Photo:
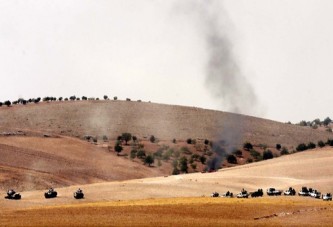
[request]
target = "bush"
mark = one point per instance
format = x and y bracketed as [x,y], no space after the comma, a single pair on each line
[206,142]
[278,146]
[118,148]
[301,147]
[175,171]
[248,146]
[311,145]
[284,151]
[189,141]
[185,150]
[105,97]
[133,153]
[203,159]
[141,154]
[8,103]
[267,155]
[149,159]
[321,144]
[152,139]
[126,137]
[255,154]
[238,153]
[232,159]
[183,164]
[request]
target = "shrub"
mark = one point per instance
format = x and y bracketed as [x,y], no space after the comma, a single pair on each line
[206,142]
[278,146]
[238,153]
[8,103]
[175,171]
[249,160]
[133,153]
[84,98]
[141,154]
[311,145]
[203,159]
[255,154]
[327,121]
[267,155]
[0,103]
[232,159]
[72,98]
[134,138]
[149,159]
[248,146]
[158,153]
[105,138]
[189,141]
[174,141]
[115,98]
[152,139]
[284,151]
[301,147]
[321,144]
[185,150]
[118,148]
[194,166]
[126,137]
[183,164]
[105,97]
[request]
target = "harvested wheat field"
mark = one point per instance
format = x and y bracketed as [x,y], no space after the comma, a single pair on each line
[184,200]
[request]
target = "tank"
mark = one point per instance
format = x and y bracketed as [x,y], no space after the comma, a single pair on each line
[11,194]
[78,194]
[51,193]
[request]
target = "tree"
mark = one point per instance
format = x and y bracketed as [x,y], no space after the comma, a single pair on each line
[105,97]
[284,151]
[321,144]
[60,98]
[118,148]
[327,121]
[0,103]
[152,139]
[183,164]
[267,155]
[311,145]
[141,154]
[72,98]
[133,153]
[206,142]
[126,137]
[232,159]
[301,147]
[189,141]
[115,98]
[203,159]
[248,146]
[84,98]
[175,171]
[134,138]
[8,103]
[278,146]
[149,160]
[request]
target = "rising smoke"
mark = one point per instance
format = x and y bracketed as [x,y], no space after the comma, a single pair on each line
[223,74]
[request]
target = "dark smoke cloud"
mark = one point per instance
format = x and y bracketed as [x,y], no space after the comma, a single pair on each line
[224,78]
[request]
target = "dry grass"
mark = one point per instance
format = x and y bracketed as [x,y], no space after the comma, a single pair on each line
[178,212]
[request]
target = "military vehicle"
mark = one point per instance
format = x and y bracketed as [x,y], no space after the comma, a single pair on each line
[243,194]
[273,191]
[78,194]
[51,193]
[290,191]
[327,197]
[11,194]
[258,193]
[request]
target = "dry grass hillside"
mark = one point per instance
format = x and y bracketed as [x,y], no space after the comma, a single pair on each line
[183,200]
[166,122]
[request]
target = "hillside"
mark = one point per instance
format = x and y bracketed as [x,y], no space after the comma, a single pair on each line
[165,122]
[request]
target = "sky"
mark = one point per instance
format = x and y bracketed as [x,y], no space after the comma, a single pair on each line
[270,59]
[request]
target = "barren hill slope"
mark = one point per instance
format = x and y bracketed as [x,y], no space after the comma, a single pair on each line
[111,118]
[30,163]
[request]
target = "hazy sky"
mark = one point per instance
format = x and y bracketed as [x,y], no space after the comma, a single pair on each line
[274,58]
